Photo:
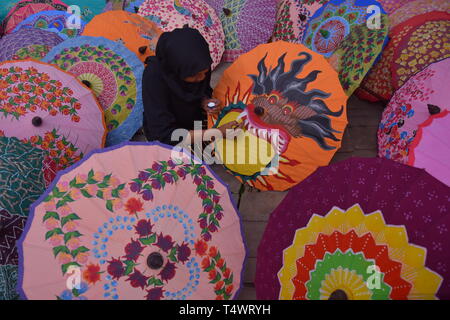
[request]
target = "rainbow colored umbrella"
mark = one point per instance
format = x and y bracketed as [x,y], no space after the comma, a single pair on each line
[430,149]
[293,110]
[27,44]
[246,24]
[88,8]
[114,74]
[54,21]
[357,53]
[25,8]
[164,227]
[21,183]
[50,109]
[292,18]
[170,15]
[423,95]
[363,228]
[413,45]
[329,25]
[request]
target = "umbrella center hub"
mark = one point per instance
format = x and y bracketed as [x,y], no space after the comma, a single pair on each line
[36,121]
[338,295]
[155,260]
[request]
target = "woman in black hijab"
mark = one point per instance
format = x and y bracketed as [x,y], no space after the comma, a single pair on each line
[176,85]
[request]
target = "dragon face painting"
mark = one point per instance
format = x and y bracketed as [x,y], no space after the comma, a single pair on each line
[293,111]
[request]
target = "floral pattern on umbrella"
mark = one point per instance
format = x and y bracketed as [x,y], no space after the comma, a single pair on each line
[421,96]
[151,262]
[411,9]
[27,44]
[43,99]
[113,73]
[169,15]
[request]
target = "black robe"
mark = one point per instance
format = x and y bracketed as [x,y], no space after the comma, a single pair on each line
[169,102]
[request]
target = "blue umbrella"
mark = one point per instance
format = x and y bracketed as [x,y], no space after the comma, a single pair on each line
[133,6]
[114,73]
[54,21]
[329,26]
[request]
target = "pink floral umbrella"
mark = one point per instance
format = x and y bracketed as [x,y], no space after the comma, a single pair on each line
[430,149]
[421,96]
[50,109]
[292,18]
[135,221]
[26,8]
[170,15]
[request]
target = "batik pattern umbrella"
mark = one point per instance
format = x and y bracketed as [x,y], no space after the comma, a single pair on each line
[430,149]
[147,240]
[21,183]
[114,74]
[331,232]
[246,24]
[50,109]
[423,95]
[27,44]
[329,26]
[25,8]
[135,32]
[358,52]
[418,7]
[88,8]
[291,103]
[407,52]
[426,42]
[292,18]
[54,21]
[169,15]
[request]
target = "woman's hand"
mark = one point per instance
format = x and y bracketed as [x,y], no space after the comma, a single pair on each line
[211,111]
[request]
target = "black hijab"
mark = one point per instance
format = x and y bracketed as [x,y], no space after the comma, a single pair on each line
[180,54]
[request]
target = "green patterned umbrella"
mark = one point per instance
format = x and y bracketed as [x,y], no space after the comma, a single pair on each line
[21,175]
[21,183]
[358,52]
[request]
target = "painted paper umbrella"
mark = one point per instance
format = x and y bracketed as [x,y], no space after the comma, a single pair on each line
[113,73]
[28,44]
[25,8]
[6,7]
[246,24]
[138,34]
[164,227]
[363,228]
[292,18]
[292,105]
[21,183]
[88,8]
[413,45]
[423,95]
[430,149]
[54,21]
[329,25]
[197,14]
[357,53]
[426,41]
[417,7]
[50,109]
